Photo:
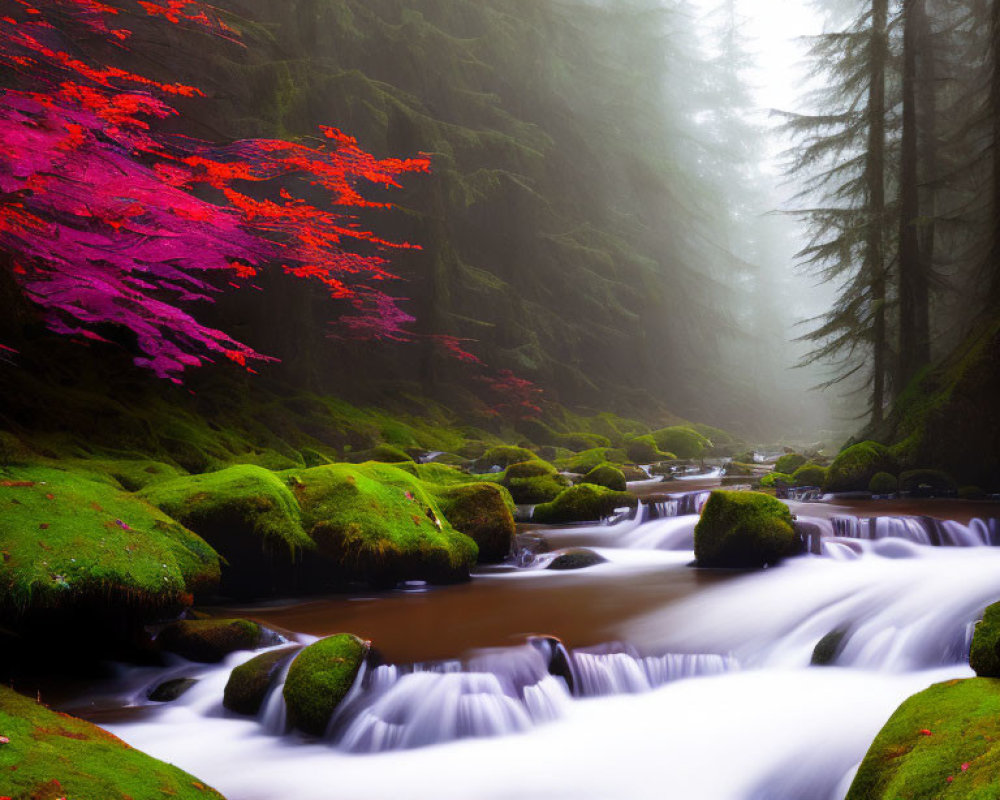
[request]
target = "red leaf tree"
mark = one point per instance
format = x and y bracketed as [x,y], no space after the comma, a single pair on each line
[104,217]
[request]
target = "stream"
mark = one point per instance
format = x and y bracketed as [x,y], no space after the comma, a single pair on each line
[665,681]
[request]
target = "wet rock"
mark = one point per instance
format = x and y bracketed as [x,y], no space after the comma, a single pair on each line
[828,648]
[745,530]
[319,678]
[168,691]
[249,683]
[576,558]
[209,641]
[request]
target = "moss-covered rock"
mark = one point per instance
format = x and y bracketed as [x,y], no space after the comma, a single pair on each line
[250,682]
[49,755]
[744,529]
[883,483]
[632,473]
[380,524]
[942,742]
[682,440]
[643,450]
[927,483]
[210,640]
[777,479]
[855,466]
[576,558]
[606,475]
[485,513]
[740,469]
[584,462]
[386,453]
[502,457]
[809,475]
[319,678]
[984,656]
[583,503]
[73,544]
[789,462]
[531,482]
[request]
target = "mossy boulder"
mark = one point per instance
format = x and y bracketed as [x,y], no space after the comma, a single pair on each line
[81,548]
[208,641]
[576,558]
[583,503]
[643,450]
[984,656]
[632,473]
[502,457]
[773,479]
[883,483]
[740,469]
[531,482]
[319,678]
[379,524]
[789,462]
[855,466]
[809,475]
[584,462]
[942,742]
[485,513]
[744,529]
[49,755]
[927,483]
[386,453]
[682,440]
[606,475]
[250,682]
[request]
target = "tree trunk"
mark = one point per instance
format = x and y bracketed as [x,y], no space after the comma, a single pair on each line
[995,112]
[927,153]
[875,178]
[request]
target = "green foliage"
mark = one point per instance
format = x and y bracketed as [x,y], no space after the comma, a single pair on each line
[984,656]
[685,442]
[961,719]
[583,503]
[810,475]
[208,641]
[789,462]
[250,682]
[319,678]
[607,476]
[927,483]
[380,524]
[484,513]
[744,529]
[52,755]
[855,466]
[68,539]
[883,483]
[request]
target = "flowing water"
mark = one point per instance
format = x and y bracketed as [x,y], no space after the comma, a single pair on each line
[665,681]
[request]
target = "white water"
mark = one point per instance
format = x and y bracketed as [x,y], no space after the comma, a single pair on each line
[720,703]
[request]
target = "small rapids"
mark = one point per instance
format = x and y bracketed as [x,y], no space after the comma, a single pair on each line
[716,693]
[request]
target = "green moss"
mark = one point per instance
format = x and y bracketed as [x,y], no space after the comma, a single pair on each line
[503,457]
[643,450]
[51,755]
[385,453]
[208,641]
[777,479]
[744,529]
[531,482]
[583,503]
[740,469]
[483,512]
[810,475]
[319,678]
[250,682]
[984,657]
[607,476]
[380,524]
[789,462]
[67,539]
[929,739]
[685,442]
[855,466]
[584,462]
[927,483]
[883,483]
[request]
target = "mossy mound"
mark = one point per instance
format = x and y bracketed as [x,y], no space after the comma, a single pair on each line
[789,462]
[249,683]
[583,503]
[942,742]
[682,440]
[386,453]
[531,482]
[855,466]
[380,524]
[927,483]
[76,544]
[744,529]
[131,474]
[485,513]
[319,678]
[584,462]
[502,457]
[248,514]
[643,450]
[208,641]
[576,558]
[777,479]
[606,475]
[740,469]
[984,657]
[50,755]
[633,473]
[809,475]
[883,483]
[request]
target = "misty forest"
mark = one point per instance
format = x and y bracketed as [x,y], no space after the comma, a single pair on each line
[499,399]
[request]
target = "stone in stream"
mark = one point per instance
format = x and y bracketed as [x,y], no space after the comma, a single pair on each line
[319,678]
[249,683]
[168,691]
[744,530]
[576,558]
[208,641]
[557,658]
[828,648]
[984,657]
